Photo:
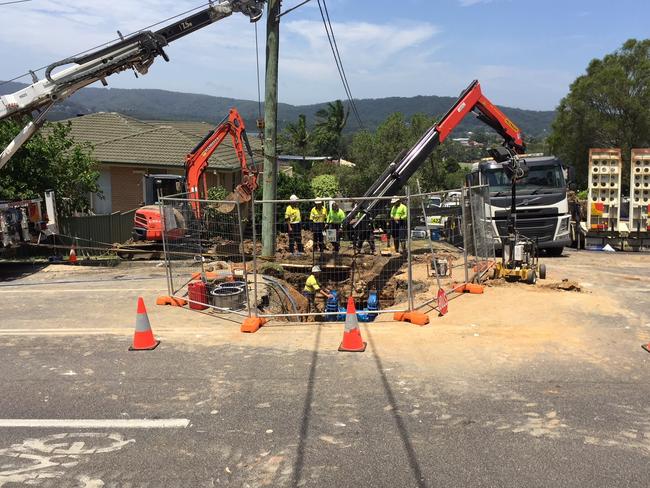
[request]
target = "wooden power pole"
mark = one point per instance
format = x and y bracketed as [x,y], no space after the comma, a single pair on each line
[271,128]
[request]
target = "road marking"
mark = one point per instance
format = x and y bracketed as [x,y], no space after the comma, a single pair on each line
[96,423]
[99,331]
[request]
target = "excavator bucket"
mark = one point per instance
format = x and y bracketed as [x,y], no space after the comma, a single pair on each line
[239,195]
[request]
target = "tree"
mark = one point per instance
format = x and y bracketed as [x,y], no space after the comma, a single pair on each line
[295,137]
[609,106]
[51,160]
[373,152]
[325,186]
[327,137]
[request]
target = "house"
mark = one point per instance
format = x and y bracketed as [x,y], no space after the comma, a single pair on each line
[127,148]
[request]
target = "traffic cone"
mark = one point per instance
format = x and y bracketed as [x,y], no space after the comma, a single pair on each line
[143,339]
[72,259]
[352,341]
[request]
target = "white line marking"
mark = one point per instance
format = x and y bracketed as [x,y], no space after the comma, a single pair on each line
[82,289]
[97,423]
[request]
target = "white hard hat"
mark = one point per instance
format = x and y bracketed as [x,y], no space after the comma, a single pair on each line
[315,269]
[293,198]
[318,202]
[394,200]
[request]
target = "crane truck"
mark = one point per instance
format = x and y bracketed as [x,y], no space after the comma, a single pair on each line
[136,52]
[520,252]
[399,171]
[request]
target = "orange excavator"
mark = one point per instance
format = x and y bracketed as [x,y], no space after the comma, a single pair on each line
[148,224]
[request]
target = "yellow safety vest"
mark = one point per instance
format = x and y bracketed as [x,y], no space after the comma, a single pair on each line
[335,217]
[398,212]
[311,285]
[319,216]
[292,214]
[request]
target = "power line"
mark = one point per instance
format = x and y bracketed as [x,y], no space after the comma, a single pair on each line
[108,42]
[336,47]
[337,59]
[15,1]
[293,8]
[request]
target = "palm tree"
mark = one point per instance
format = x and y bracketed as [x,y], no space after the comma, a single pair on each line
[332,121]
[298,135]
[333,117]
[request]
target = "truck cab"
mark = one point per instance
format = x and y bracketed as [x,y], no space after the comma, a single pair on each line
[542,206]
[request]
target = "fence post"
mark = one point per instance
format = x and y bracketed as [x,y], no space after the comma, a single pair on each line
[408,247]
[243,256]
[255,278]
[163,226]
[465,201]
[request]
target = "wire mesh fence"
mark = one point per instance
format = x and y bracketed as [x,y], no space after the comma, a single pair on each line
[394,258]
[203,243]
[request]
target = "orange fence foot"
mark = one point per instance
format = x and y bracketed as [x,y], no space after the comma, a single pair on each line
[474,288]
[252,324]
[416,318]
[167,300]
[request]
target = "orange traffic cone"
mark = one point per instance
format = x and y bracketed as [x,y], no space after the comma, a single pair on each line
[143,339]
[72,259]
[352,341]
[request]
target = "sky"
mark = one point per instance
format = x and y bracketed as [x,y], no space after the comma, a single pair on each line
[525,53]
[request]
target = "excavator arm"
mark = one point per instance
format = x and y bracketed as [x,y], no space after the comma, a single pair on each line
[196,161]
[407,163]
[136,52]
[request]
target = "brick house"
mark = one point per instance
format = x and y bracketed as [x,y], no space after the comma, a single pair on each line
[127,148]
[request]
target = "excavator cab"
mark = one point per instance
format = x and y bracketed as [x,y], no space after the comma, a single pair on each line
[155,187]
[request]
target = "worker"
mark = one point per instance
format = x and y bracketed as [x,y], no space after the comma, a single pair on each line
[364,226]
[312,287]
[335,218]
[318,217]
[294,226]
[398,216]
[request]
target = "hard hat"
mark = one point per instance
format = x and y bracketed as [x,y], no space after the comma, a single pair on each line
[315,269]
[394,200]
[293,198]
[318,202]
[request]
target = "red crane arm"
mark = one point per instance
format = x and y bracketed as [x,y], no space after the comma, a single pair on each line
[473,100]
[196,161]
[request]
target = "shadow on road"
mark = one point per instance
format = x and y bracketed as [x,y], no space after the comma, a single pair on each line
[306,413]
[399,422]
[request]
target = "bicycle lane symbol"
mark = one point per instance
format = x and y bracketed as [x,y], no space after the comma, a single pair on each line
[35,460]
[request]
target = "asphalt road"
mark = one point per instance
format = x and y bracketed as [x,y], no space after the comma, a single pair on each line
[283,408]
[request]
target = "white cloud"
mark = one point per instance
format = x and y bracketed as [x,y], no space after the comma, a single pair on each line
[399,58]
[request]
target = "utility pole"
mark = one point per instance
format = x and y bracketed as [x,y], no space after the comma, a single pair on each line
[271,128]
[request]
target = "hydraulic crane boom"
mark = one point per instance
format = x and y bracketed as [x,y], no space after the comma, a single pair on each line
[400,170]
[136,52]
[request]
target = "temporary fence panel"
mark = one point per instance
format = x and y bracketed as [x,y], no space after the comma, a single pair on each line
[604,204]
[93,233]
[204,253]
[362,260]
[436,244]
[640,190]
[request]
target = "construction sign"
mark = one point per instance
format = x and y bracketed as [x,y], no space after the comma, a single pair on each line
[443,302]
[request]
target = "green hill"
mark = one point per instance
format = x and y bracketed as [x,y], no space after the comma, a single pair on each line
[167,105]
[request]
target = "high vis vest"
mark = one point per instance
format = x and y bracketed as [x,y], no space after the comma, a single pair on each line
[398,212]
[335,217]
[311,285]
[319,216]
[292,214]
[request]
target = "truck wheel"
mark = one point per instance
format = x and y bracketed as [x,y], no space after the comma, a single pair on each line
[542,271]
[555,252]
[531,279]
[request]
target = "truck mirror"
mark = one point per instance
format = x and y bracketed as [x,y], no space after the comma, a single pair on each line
[571,174]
